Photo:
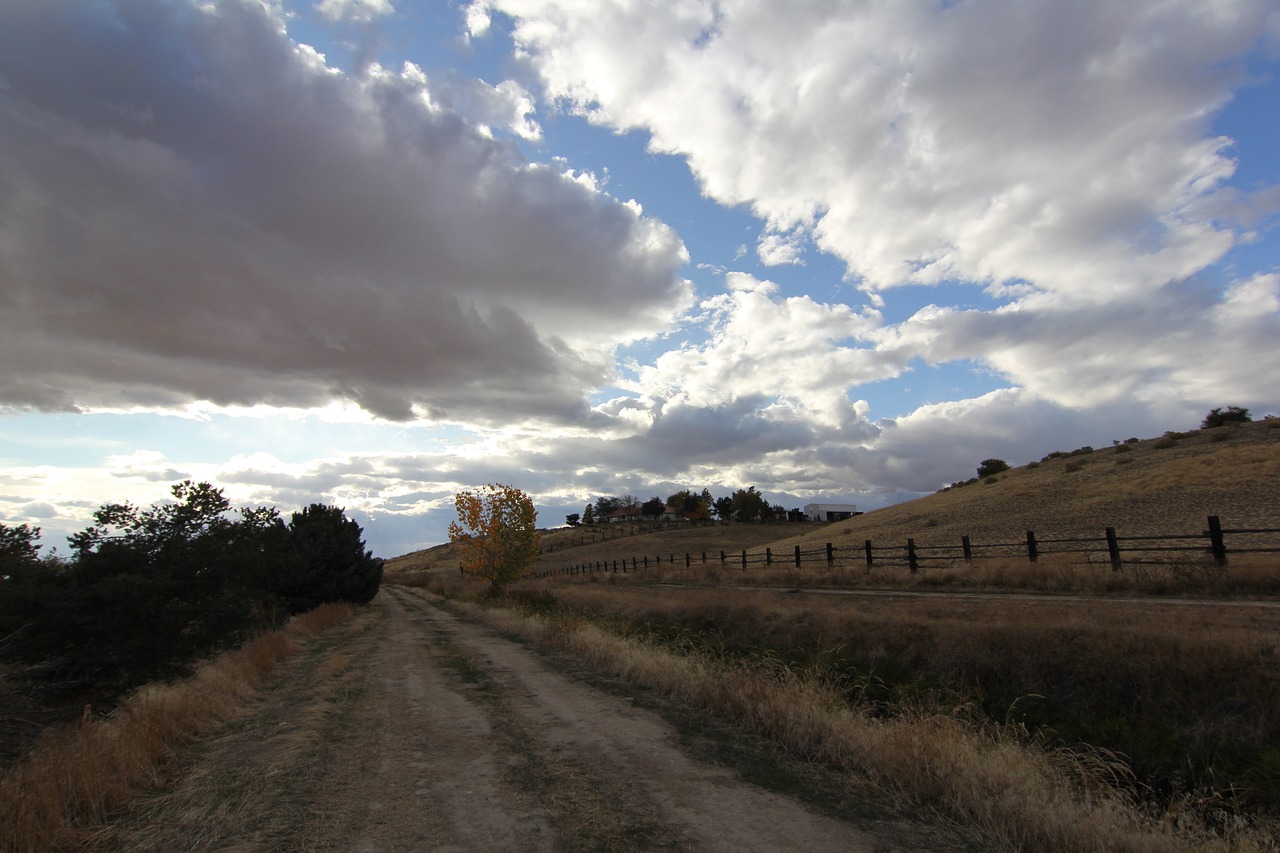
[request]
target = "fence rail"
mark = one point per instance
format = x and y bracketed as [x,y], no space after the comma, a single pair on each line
[1211,542]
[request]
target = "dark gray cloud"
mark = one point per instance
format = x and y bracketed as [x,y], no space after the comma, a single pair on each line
[192,206]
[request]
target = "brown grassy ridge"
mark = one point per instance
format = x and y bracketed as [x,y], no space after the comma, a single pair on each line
[79,774]
[1169,484]
[1166,485]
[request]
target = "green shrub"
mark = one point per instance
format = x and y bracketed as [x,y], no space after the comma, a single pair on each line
[989,467]
[1232,415]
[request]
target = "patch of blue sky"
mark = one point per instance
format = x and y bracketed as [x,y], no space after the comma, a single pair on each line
[925,384]
[1252,120]
[902,303]
[68,439]
[77,440]
[430,35]
[662,184]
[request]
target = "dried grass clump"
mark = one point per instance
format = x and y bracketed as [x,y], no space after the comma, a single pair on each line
[79,774]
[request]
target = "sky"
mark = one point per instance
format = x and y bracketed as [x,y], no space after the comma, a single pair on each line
[369,253]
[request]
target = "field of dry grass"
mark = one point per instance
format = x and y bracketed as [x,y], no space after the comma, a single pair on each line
[56,795]
[927,748]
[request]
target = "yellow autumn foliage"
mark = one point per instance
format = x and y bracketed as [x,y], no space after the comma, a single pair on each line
[496,532]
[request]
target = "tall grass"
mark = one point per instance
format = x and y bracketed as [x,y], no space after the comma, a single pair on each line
[1019,793]
[79,774]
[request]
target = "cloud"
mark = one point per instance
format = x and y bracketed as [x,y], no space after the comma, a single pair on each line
[1068,147]
[197,208]
[354,10]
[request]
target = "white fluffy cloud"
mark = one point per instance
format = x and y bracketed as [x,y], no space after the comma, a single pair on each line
[354,10]
[195,207]
[1062,145]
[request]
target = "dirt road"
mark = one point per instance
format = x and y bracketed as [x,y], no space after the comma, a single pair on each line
[419,730]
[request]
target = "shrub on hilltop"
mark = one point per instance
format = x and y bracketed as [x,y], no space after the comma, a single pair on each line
[1231,415]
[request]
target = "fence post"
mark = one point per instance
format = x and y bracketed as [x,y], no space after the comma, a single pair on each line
[722,558]
[1217,542]
[967,547]
[687,559]
[744,559]
[704,558]
[831,554]
[911,556]
[797,556]
[1033,553]
[768,556]
[867,548]
[1113,549]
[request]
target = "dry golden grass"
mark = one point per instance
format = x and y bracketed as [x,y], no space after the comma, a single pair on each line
[1019,796]
[79,774]
[1142,489]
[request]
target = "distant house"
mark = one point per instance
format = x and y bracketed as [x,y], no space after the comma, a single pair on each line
[830,512]
[626,513]
[633,513]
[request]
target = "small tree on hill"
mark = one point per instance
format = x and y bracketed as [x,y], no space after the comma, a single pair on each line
[1232,415]
[608,504]
[991,467]
[496,533]
[653,508]
[589,515]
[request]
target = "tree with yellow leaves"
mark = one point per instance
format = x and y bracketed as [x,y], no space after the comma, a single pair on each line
[496,533]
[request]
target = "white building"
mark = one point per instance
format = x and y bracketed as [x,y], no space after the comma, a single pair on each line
[829,512]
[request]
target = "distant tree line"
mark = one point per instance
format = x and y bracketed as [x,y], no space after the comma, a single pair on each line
[742,506]
[146,592]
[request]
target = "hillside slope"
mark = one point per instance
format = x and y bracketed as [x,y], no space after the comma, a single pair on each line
[1169,484]
[1166,485]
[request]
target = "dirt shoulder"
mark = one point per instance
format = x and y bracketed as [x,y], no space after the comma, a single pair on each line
[415,729]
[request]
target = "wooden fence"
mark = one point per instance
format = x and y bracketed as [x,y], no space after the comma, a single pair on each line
[1210,543]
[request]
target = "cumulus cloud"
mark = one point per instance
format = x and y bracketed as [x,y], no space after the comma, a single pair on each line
[796,353]
[354,10]
[195,207]
[920,141]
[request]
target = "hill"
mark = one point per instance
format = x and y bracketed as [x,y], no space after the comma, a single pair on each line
[1169,484]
